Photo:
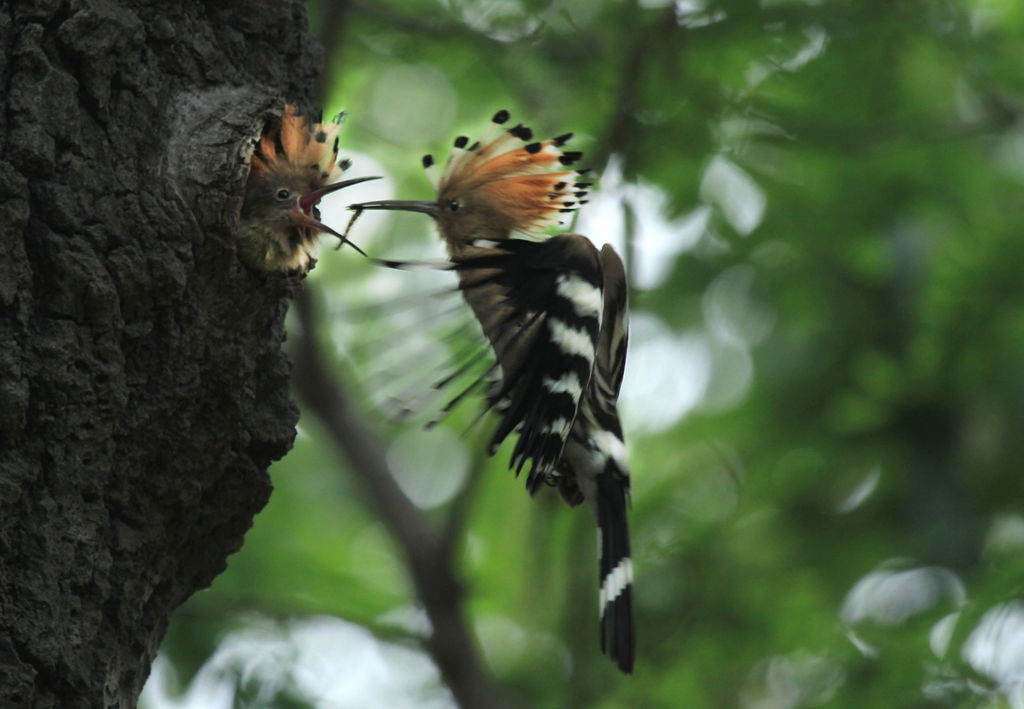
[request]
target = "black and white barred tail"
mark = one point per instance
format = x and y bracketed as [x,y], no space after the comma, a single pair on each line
[615,572]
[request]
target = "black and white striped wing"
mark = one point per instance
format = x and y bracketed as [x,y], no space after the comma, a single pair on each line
[555,317]
[540,307]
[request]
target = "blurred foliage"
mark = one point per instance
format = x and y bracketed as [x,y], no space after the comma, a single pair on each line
[827,197]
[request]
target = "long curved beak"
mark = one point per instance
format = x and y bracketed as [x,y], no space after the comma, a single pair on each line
[405,205]
[309,199]
[305,221]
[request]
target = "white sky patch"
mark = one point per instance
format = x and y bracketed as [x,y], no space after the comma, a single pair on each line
[429,466]
[657,240]
[737,134]
[862,491]
[996,648]
[731,374]
[208,690]
[817,38]
[689,13]
[501,20]
[814,47]
[731,311]
[728,187]
[666,374]
[331,663]
[799,679]
[941,634]
[889,596]
[412,619]
[393,675]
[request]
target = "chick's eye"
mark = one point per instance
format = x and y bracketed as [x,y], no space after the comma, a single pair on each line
[283,194]
[454,205]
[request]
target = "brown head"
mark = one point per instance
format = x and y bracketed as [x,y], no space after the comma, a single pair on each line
[294,166]
[499,187]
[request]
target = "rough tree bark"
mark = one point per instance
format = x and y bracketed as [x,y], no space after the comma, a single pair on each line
[143,390]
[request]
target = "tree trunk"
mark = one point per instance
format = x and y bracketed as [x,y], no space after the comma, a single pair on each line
[143,390]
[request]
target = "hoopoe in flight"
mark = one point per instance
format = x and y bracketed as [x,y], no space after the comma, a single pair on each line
[554,312]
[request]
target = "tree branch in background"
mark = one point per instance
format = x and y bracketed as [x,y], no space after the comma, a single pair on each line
[427,554]
[621,128]
[332,26]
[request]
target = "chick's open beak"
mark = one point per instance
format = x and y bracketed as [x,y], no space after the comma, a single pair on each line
[301,213]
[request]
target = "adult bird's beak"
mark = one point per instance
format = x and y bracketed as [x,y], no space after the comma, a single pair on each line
[309,200]
[405,205]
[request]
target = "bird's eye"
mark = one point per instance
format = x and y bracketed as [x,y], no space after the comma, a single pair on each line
[283,194]
[454,205]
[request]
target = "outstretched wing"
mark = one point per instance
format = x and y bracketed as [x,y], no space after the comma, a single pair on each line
[540,308]
[555,317]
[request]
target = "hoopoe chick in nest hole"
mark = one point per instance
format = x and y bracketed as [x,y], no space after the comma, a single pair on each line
[554,313]
[294,166]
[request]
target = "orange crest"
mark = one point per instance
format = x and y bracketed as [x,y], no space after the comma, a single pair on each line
[521,177]
[299,144]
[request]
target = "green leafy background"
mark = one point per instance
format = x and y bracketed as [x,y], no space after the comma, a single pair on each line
[820,208]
